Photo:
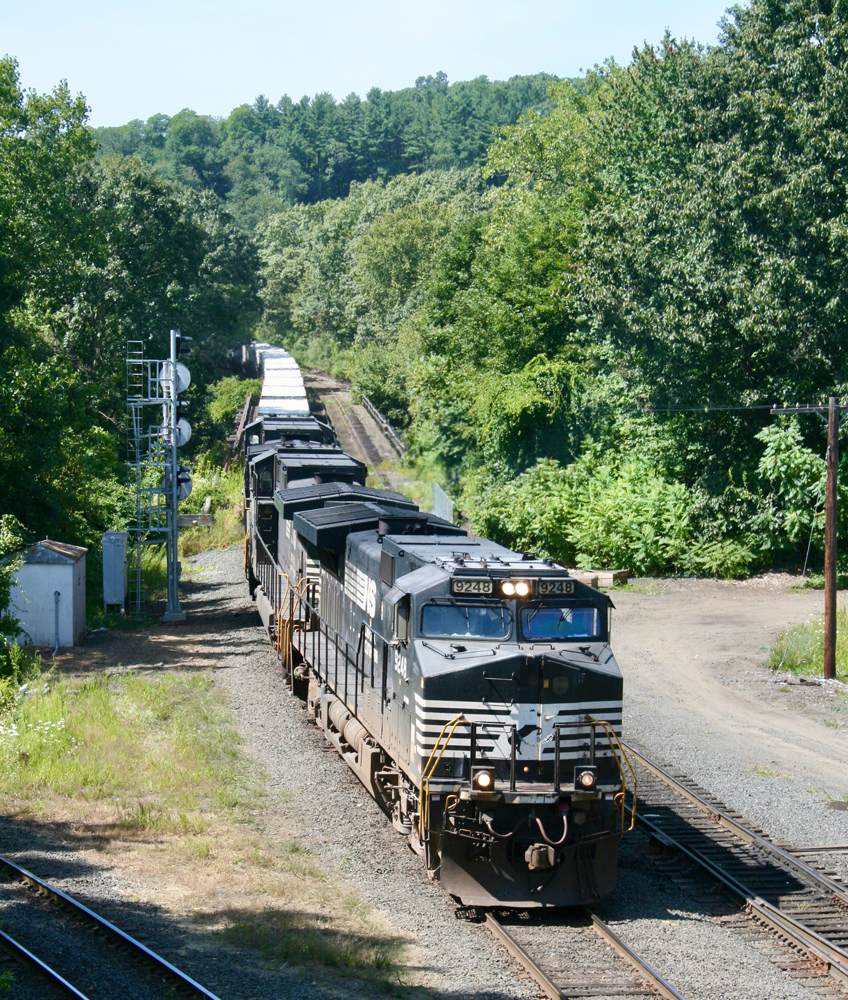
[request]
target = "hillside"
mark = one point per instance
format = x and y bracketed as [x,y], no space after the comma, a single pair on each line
[264,157]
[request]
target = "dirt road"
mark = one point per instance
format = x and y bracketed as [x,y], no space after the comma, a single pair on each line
[698,695]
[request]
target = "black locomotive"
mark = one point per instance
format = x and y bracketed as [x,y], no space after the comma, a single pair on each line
[472,690]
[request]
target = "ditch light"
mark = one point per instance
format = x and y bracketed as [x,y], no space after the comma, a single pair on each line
[483,779]
[585,778]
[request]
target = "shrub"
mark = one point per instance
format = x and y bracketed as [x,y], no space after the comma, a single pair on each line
[227,397]
[800,648]
[590,513]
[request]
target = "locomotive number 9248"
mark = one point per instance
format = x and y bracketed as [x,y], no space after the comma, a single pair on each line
[549,588]
[484,587]
[471,586]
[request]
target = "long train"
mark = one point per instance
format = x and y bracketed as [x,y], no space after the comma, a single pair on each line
[471,689]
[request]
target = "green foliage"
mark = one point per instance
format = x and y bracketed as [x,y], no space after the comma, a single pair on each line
[93,254]
[665,236]
[12,540]
[592,513]
[343,279]
[638,244]
[226,398]
[800,648]
[796,476]
[264,158]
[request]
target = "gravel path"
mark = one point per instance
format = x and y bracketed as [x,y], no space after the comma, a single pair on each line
[699,700]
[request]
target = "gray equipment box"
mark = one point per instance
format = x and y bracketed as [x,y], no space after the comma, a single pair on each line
[115,567]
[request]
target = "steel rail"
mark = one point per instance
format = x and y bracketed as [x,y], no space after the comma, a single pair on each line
[548,986]
[663,988]
[16,948]
[359,440]
[740,830]
[78,907]
[816,946]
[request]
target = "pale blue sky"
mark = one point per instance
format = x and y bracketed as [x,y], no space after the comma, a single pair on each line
[132,60]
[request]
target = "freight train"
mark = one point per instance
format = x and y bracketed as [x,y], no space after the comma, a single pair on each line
[471,689]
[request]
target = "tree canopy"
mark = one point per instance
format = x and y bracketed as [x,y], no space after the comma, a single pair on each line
[264,157]
[664,260]
[92,254]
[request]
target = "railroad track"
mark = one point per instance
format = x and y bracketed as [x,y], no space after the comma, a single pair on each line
[361,436]
[567,959]
[174,981]
[801,904]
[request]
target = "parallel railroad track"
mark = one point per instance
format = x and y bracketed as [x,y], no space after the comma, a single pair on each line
[801,904]
[372,457]
[160,966]
[567,962]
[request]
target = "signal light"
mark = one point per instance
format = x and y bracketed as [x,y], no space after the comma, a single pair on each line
[585,778]
[483,779]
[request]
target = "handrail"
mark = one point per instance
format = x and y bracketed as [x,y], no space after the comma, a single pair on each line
[376,633]
[622,794]
[429,770]
[280,612]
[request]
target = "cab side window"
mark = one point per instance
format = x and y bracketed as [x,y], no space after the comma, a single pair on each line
[401,618]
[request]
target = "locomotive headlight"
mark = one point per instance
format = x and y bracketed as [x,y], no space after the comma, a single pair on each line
[483,779]
[522,589]
[508,588]
[585,778]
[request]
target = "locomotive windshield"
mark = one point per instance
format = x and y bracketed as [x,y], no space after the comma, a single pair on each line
[467,621]
[560,620]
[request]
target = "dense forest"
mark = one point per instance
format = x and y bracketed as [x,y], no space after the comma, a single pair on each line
[578,321]
[265,157]
[587,353]
[93,253]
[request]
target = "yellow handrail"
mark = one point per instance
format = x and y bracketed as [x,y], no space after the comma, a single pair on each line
[280,612]
[621,795]
[427,773]
[285,630]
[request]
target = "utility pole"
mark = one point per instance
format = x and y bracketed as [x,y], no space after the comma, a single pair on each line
[173,612]
[830,524]
[178,484]
[830,541]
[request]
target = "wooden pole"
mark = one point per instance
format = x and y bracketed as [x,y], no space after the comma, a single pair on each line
[830,541]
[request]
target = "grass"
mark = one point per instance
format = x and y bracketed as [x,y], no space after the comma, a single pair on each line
[766,772]
[800,648]
[120,737]
[150,771]
[225,491]
[641,585]
[815,581]
[295,937]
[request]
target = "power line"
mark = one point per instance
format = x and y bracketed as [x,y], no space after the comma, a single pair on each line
[712,408]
